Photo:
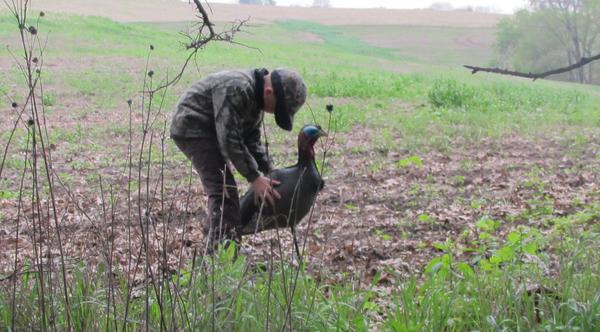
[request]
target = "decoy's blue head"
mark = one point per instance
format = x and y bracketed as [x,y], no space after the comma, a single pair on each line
[307,138]
[313,132]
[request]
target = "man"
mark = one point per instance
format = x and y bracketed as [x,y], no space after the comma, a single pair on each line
[217,120]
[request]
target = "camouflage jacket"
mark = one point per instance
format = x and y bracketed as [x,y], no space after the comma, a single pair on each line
[227,105]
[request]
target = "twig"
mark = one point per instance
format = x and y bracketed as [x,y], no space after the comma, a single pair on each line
[328,143]
[205,19]
[295,239]
[19,211]
[202,38]
[14,129]
[584,61]
[40,161]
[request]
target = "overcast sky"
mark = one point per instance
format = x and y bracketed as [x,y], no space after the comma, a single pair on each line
[505,6]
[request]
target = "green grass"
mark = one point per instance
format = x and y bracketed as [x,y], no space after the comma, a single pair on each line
[504,286]
[240,299]
[337,40]
[430,45]
[509,290]
[449,104]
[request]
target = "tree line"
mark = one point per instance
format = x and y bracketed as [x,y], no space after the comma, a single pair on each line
[551,34]
[316,3]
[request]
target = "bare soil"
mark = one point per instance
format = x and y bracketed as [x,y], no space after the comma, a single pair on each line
[368,219]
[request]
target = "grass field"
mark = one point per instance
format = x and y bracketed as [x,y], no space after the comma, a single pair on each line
[452,201]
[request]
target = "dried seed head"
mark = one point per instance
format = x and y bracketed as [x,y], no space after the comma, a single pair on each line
[34,60]
[329,108]
[151,73]
[30,122]
[14,104]
[151,47]
[33,30]
[129,102]
[42,14]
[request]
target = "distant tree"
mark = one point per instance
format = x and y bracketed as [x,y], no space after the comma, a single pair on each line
[575,24]
[258,2]
[508,35]
[483,9]
[549,35]
[321,3]
[441,6]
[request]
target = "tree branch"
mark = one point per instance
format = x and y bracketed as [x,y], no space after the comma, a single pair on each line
[205,19]
[201,39]
[584,61]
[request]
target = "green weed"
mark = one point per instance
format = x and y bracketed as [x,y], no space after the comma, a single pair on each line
[508,291]
[414,161]
[48,100]
[224,294]
[447,93]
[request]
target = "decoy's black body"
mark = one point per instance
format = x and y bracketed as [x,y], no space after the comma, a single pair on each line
[299,187]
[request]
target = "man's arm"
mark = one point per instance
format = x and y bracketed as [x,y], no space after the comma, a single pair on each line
[258,151]
[229,103]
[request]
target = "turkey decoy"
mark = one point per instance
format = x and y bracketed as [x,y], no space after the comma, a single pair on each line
[299,187]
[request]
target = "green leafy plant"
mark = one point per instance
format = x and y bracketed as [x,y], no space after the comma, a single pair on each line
[410,161]
[448,93]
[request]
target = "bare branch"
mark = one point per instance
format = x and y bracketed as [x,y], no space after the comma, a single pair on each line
[201,39]
[205,18]
[584,61]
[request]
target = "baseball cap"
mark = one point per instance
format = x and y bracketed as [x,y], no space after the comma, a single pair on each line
[290,95]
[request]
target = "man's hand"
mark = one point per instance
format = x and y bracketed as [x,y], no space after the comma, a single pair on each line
[264,191]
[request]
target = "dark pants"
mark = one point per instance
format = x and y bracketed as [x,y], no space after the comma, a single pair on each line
[206,158]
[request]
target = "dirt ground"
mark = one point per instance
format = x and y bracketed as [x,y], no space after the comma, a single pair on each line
[368,219]
[174,11]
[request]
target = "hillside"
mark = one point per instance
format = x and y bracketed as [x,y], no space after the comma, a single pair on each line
[420,36]
[174,10]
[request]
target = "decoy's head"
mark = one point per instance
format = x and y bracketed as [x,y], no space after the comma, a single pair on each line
[307,138]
